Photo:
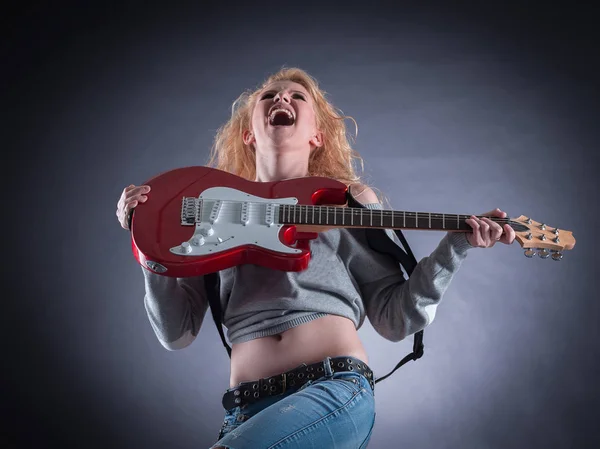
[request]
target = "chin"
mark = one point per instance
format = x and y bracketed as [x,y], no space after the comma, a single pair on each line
[281,129]
[281,135]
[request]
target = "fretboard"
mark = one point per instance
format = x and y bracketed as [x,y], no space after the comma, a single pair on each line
[351,217]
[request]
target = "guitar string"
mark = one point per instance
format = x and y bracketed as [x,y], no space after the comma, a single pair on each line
[452,218]
[385,213]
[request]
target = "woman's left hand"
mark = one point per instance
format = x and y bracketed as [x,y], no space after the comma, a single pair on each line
[486,233]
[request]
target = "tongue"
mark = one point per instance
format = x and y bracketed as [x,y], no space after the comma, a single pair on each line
[282,119]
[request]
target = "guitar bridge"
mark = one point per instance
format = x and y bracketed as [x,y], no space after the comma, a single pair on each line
[191,210]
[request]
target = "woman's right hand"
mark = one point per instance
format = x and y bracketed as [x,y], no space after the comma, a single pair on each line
[131,197]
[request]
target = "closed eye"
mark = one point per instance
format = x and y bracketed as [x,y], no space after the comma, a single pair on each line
[296,96]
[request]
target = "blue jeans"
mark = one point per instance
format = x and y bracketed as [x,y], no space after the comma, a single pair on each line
[332,412]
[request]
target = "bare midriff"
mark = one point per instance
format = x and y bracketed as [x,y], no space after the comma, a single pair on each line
[329,336]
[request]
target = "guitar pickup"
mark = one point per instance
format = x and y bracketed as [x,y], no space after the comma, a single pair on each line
[270,214]
[215,211]
[245,217]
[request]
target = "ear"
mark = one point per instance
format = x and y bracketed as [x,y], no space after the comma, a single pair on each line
[248,137]
[317,140]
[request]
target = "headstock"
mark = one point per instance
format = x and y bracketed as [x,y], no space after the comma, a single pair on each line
[533,236]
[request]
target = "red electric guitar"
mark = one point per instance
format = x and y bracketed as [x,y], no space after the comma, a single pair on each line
[200,220]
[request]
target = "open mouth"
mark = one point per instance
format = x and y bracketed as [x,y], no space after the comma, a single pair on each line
[281,117]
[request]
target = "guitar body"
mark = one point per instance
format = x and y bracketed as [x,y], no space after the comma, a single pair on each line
[200,220]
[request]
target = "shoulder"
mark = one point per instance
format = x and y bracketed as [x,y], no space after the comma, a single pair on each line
[363,194]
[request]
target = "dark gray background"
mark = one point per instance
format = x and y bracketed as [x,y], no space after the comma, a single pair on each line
[460,110]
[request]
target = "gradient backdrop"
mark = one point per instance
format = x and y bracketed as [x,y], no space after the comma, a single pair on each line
[460,110]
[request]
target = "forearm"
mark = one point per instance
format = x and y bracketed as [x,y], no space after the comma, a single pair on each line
[175,307]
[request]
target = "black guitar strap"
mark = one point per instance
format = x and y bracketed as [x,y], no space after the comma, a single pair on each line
[379,241]
[212,284]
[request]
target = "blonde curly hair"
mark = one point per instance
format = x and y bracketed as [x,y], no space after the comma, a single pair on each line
[334,159]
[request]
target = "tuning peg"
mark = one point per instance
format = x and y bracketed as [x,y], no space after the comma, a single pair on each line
[556,255]
[529,252]
[543,253]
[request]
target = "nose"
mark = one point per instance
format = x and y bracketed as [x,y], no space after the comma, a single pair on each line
[282,96]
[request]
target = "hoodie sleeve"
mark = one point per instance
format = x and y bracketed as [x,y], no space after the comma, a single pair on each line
[398,307]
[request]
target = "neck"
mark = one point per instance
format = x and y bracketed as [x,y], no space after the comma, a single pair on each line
[278,165]
[329,217]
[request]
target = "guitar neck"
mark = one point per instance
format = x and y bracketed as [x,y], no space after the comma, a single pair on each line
[353,217]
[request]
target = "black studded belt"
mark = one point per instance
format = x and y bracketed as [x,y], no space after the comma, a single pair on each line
[248,392]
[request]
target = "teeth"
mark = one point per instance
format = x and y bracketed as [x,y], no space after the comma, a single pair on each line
[275,111]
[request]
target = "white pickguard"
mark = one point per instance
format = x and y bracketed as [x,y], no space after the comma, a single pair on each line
[240,219]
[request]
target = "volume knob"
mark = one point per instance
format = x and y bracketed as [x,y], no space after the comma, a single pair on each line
[206,230]
[198,241]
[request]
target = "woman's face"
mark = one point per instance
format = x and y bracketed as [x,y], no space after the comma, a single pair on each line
[283,117]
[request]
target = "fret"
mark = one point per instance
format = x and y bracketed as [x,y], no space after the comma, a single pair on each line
[388,219]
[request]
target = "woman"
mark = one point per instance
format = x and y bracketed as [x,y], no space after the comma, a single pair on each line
[299,372]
